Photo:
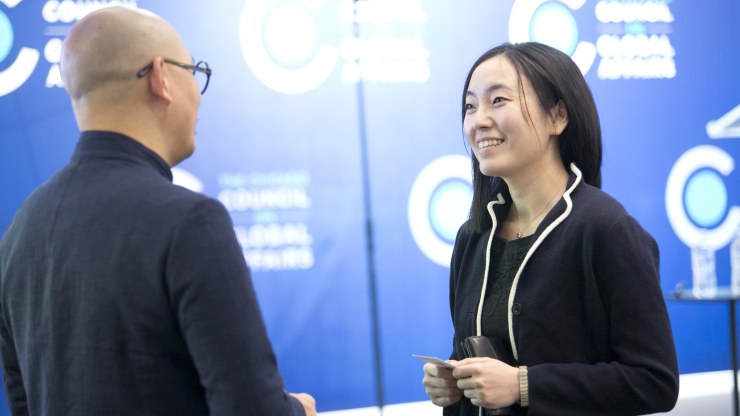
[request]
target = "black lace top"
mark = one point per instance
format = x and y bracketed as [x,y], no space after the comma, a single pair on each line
[506,256]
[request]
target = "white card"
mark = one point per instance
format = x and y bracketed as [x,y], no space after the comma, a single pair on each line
[434,360]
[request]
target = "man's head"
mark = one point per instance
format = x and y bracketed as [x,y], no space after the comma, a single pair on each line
[100,60]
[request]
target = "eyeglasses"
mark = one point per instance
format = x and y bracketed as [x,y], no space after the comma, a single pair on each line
[201,72]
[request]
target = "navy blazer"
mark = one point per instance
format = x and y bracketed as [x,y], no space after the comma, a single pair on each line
[585,311]
[123,294]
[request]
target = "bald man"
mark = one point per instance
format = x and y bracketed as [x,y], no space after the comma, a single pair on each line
[121,293]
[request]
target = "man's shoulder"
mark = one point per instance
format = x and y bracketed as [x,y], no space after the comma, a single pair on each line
[173,203]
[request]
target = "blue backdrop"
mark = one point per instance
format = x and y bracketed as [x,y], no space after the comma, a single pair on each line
[331,131]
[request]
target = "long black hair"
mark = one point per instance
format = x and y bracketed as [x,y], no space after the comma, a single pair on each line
[554,78]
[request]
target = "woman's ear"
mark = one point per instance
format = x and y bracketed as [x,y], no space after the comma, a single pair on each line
[159,80]
[559,118]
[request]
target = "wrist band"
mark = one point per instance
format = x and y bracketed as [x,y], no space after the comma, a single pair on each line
[523,386]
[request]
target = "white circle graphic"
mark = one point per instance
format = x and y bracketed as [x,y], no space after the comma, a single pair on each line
[15,75]
[187,180]
[693,160]
[436,173]
[520,21]
[290,34]
[553,24]
[262,42]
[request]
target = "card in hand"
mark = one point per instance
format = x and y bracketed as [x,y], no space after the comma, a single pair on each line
[436,361]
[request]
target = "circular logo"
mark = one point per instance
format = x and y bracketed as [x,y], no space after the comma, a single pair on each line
[6,36]
[705,198]
[282,45]
[553,24]
[439,203]
[279,42]
[696,197]
[18,72]
[449,207]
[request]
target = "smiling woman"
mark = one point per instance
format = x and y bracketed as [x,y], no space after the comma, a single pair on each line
[546,267]
[505,131]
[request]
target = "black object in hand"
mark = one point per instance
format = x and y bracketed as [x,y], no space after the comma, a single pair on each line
[482,346]
[478,346]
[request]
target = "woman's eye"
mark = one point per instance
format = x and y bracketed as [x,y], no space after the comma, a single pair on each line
[469,106]
[498,100]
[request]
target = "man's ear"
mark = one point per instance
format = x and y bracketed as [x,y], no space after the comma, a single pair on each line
[559,117]
[159,80]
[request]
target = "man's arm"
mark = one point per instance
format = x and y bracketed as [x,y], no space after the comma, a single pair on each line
[219,316]
[12,378]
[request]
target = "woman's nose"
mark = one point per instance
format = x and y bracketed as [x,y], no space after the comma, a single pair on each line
[483,118]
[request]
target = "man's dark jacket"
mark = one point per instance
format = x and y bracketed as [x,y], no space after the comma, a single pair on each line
[123,294]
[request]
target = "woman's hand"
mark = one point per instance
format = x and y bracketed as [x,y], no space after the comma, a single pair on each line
[441,385]
[487,382]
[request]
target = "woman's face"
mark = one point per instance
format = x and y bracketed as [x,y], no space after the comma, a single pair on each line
[504,123]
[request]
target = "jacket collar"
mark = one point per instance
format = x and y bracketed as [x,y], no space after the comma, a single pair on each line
[112,145]
[499,208]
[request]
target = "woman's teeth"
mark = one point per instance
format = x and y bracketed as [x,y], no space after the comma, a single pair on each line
[489,143]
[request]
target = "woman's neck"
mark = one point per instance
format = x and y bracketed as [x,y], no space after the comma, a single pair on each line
[532,199]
